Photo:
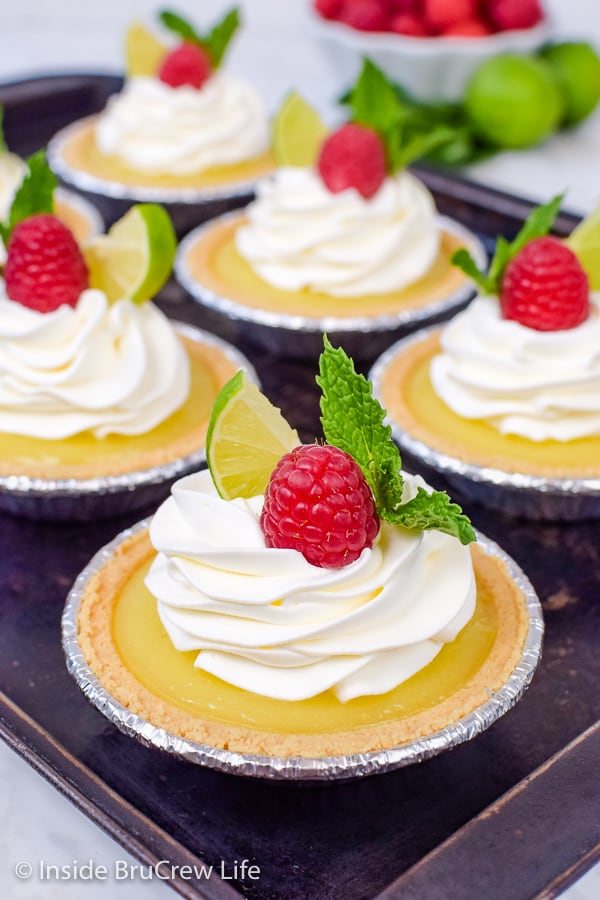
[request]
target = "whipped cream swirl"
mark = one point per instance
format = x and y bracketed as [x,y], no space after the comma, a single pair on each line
[542,385]
[301,235]
[109,369]
[268,621]
[156,128]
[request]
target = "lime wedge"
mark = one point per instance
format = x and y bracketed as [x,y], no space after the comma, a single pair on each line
[143,51]
[584,241]
[298,132]
[247,436]
[135,258]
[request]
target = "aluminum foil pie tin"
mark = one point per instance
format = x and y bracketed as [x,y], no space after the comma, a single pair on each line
[302,336]
[328,769]
[514,493]
[187,207]
[73,499]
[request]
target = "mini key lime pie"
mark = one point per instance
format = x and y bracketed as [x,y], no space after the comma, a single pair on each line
[341,238]
[81,217]
[183,131]
[99,393]
[303,611]
[505,399]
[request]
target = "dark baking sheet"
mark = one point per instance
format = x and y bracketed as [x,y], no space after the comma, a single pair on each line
[446,828]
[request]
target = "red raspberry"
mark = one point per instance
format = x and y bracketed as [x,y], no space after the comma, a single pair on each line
[508,14]
[545,287]
[44,267]
[470,28]
[319,503]
[353,157]
[441,14]
[366,15]
[408,23]
[329,9]
[186,64]
[404,6]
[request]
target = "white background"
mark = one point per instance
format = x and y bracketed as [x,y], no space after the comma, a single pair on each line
[277,52]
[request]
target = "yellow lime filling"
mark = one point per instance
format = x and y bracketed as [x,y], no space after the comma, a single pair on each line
[147,652]
[82,154]
[474,439]
[215,263]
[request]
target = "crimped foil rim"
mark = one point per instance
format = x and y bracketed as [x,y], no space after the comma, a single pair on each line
[83,206]
[94,184]
[328,768]
[24,485]
[319,324]
[446,463]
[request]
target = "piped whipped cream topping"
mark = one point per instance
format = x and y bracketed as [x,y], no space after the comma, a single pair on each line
[300,235]
[542,385]
[106,368]
[269,622]
[156,128]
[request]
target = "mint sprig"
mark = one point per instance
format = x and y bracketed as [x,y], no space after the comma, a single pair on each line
[215,42]
[34,195]
[538,224]
[353,420]
[376,104]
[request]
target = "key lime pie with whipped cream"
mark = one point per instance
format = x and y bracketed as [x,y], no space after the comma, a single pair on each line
[182,129]
[302,601]
[507,394]
[96,384]
[341,237]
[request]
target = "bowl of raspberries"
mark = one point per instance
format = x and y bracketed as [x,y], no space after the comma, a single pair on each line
[429,47]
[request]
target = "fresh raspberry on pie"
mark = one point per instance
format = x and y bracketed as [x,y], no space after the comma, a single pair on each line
[545,287]
[44,266]
[319,503]
[441,14]
[508,14]
[187,64]
[353,157]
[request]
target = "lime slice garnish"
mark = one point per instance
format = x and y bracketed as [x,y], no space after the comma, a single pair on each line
[247,436]
[298,132]
[135,258]
[584,241]
[143,51]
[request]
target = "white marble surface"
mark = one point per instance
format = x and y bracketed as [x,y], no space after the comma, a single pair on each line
[277,52]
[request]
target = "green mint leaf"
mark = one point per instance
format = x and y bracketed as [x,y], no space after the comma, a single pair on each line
[538,224]
[501,258]
[34,195]
[3,147]
[434,511]
[463,259]
[352,420]
[373,100]
[218,40]
[179,26]
[403,152]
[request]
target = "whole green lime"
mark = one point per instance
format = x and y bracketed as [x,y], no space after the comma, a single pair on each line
[513,101]
[576,67]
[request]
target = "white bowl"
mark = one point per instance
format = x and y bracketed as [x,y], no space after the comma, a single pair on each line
[430,68]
